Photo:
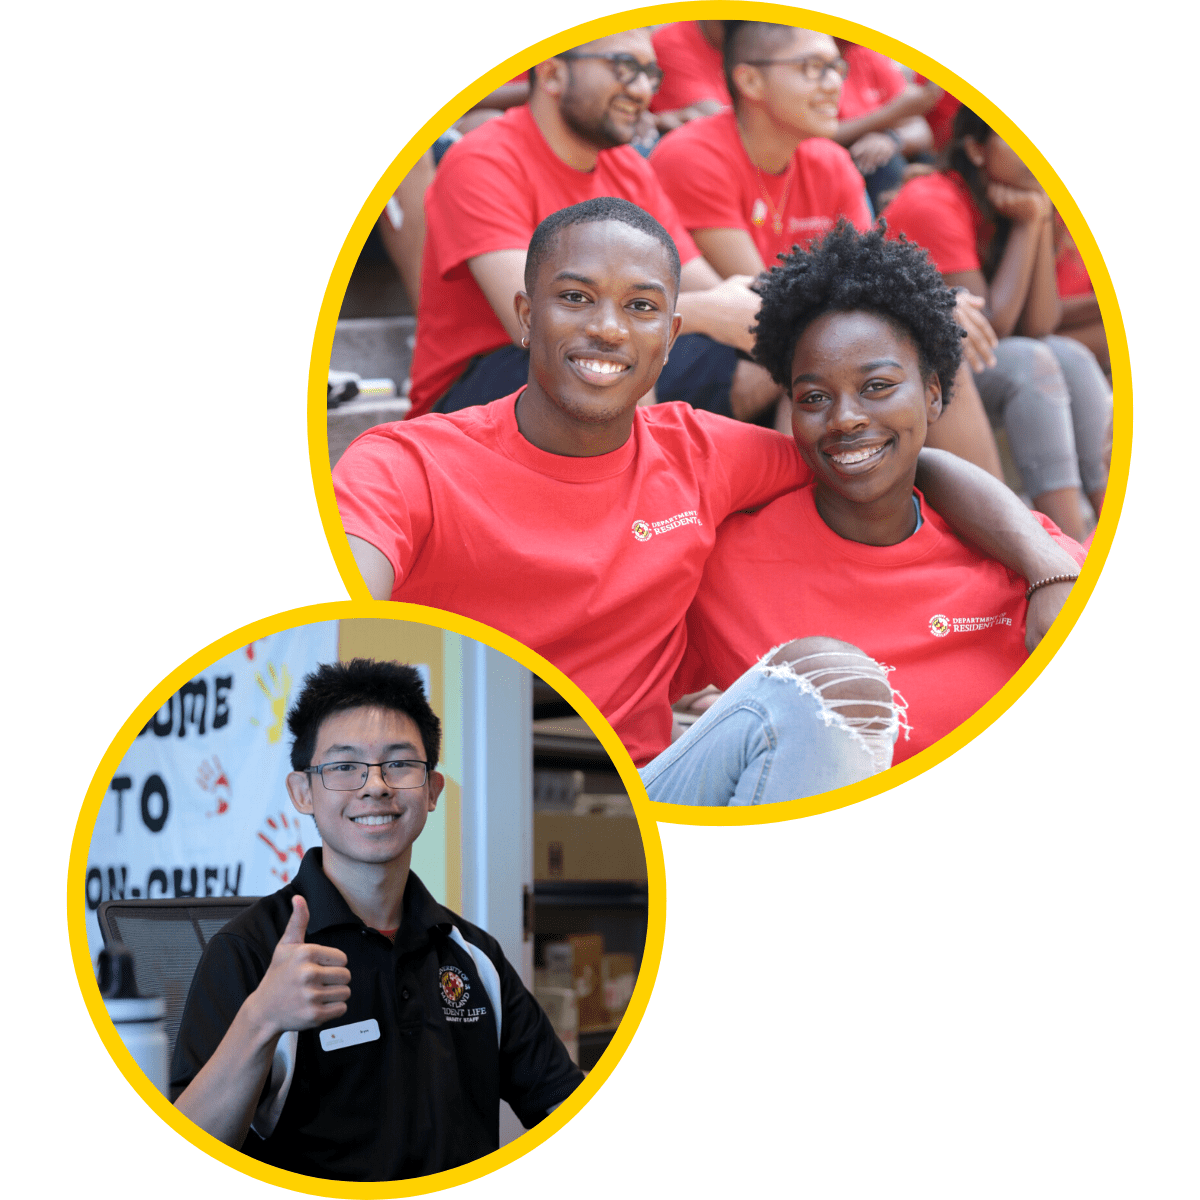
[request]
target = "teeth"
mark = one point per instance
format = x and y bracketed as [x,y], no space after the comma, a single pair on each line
[382,820]
[600,367]
[857,456]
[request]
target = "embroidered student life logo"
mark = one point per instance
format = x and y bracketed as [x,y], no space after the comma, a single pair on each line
[641,531]
[939,625]
[758,214]
[454,985]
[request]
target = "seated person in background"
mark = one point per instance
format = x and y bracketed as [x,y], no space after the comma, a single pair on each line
[349,1026]
[693,67]
[987,225]
[576,521]
[1080,318]
[752,182]
[491,190]
[862,332]
[881,119]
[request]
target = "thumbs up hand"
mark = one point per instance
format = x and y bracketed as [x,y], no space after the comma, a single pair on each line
[305,985]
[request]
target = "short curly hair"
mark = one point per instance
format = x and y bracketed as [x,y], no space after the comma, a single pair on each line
[335,687]
[849,271]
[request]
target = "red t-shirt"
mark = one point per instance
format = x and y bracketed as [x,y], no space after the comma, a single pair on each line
[873,81]
[1072,276]
[950,621]
[591,562]
[708,175]
[692,69]
[937,212]
[491,191]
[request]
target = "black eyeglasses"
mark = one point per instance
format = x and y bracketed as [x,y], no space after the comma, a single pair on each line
[625,67]
[812,66]
[350,776]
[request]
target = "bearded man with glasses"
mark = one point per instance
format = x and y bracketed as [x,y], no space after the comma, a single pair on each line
[569,144]
[349,1026]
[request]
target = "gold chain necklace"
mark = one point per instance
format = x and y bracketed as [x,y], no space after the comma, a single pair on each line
[776,213]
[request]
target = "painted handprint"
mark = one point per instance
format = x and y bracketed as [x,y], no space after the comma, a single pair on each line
[277,693]
[283,830]
[211,777]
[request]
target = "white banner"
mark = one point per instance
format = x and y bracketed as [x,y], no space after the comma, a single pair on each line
[199,807]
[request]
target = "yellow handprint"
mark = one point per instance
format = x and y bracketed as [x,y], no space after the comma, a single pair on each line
[277,693]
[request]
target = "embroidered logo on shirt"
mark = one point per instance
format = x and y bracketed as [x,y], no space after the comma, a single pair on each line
[456,990]
[645,530]
[758,214]
[455,987]
[941,625]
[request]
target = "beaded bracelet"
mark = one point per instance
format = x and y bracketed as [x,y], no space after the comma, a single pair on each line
[1041,583]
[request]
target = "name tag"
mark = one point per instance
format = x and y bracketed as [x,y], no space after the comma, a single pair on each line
[350,1035]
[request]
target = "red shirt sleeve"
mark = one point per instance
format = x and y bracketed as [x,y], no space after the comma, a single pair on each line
[1069,544]
[930,211]
[874,80]
[383,495]
[476,204]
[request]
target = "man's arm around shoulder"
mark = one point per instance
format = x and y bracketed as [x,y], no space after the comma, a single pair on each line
[986,513]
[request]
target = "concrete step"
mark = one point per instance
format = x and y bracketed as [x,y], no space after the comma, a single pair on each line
[374,348]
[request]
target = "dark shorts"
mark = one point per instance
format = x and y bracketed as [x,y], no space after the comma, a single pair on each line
[698,371]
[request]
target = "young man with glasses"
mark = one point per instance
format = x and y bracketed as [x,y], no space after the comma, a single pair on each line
[569,144]
[349,1026]
[752,181]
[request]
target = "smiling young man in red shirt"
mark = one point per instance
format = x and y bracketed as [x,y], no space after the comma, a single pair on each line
[578,522]
[752,181]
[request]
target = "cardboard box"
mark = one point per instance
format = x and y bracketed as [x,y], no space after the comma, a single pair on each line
[584,951]
[587,848]
[617,978]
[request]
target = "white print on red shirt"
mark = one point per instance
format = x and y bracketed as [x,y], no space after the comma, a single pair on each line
[645,530]
[940,625]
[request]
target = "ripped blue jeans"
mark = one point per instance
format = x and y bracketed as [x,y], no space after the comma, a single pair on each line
[775,736]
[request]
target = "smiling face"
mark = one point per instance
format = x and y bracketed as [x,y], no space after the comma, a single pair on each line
[373,823]
[860,409]
[594,104]
[600,321]
[801,106]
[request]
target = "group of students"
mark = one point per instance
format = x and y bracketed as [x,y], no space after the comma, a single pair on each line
[590,324]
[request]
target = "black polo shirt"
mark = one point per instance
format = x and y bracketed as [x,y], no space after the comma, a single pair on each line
[457,1032]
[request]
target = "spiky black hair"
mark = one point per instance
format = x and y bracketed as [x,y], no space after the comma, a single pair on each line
[361,683]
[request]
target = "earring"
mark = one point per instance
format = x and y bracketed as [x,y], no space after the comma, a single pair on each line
[525,342]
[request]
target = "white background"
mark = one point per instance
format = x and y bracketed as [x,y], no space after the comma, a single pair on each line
[980,984]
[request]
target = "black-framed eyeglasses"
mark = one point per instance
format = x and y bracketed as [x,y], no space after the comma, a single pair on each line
[625,67]
[812,66]
[350,776]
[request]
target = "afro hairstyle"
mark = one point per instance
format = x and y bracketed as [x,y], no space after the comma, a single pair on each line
[361,683]
[849,271]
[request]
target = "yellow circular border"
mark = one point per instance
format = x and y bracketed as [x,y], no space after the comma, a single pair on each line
[337,611]
[806,18]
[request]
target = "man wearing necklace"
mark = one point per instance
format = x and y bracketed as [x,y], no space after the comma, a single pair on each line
[862,333]
[752,181]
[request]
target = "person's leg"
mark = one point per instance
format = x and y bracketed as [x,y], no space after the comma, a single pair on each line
[964,428]
[488,377]
[709,375]
[1091,412]
[813,715]
[1027,392]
